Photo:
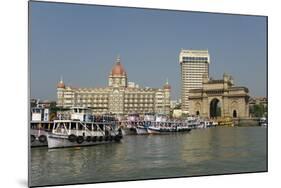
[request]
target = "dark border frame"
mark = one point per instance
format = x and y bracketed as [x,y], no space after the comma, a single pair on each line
[96,182]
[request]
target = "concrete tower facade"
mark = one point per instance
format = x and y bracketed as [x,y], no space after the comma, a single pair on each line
[194,67]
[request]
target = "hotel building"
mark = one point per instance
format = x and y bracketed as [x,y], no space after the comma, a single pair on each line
[119,97]
[194,65]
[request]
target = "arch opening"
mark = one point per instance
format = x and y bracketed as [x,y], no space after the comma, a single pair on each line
[215,108]
[234,114]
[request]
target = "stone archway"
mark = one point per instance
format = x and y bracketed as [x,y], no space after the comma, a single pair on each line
[234,107]
[215,108]
[234,114]
[219,98]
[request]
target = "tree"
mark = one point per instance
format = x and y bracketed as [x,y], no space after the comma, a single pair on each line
[258,110]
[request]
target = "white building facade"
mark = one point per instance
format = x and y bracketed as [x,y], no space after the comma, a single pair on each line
[120,97]
[194,66]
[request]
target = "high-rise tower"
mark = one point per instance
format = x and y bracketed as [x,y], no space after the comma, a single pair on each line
[194,65]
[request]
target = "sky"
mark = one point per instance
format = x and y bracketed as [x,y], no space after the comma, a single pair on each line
[81,43]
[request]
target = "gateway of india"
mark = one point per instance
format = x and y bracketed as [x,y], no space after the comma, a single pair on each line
[119,97]
[207,97]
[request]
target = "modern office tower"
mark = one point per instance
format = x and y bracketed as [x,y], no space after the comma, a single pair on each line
[194,65]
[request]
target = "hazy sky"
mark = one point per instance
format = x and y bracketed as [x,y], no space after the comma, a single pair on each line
[81,43]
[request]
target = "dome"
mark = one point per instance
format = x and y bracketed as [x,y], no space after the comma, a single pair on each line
[118,69]
[167,85]
[61,84]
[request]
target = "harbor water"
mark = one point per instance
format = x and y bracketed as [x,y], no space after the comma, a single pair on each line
[216,150]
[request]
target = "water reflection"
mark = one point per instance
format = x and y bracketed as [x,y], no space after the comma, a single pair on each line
[206,151]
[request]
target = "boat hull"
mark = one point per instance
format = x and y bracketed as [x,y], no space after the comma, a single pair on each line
[37,142]
[154,130]
[141,130]
[62,141]
[129,131]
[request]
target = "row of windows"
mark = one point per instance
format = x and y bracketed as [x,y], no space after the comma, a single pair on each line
[95,100]
[195,58]
[138,108]
[130,105]
[192,69]
[198,65]
[141,100]
[138,96]
[202,65]
[92,96]
[91,104]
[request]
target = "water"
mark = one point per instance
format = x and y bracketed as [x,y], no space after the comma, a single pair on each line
[200,152]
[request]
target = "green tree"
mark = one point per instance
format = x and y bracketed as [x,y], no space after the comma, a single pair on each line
[258,110]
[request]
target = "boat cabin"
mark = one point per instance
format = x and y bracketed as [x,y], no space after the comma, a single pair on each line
[81,114]
[39,114]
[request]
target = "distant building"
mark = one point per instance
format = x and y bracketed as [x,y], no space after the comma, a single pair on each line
[258,100]
[194,64]
[119,97]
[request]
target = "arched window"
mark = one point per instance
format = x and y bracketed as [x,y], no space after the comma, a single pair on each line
[234,114]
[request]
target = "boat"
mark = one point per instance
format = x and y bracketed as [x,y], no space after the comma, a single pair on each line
[141,128]
[129,125]
[71,133]
[39,126]
[38,132]
[207,124]
[263,122]
[153,130]
[225,121]
[168,127]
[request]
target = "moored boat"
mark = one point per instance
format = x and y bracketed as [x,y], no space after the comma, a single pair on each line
[141,130]
[70,133]
[38,132]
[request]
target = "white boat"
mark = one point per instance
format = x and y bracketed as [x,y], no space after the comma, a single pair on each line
[153,130]
[39,126]
[168,127]
[69,133]
[140,130]
[38,132]
[129,125]
[263,122]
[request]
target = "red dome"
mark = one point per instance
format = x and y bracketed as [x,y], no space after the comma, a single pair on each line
[60,84]
[118,69]
[167,86]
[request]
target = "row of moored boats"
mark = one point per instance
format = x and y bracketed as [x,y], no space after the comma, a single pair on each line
[84,129]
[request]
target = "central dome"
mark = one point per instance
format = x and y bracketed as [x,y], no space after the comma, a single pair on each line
[118,69]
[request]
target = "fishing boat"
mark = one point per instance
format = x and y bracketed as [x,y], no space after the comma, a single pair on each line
[70,133]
